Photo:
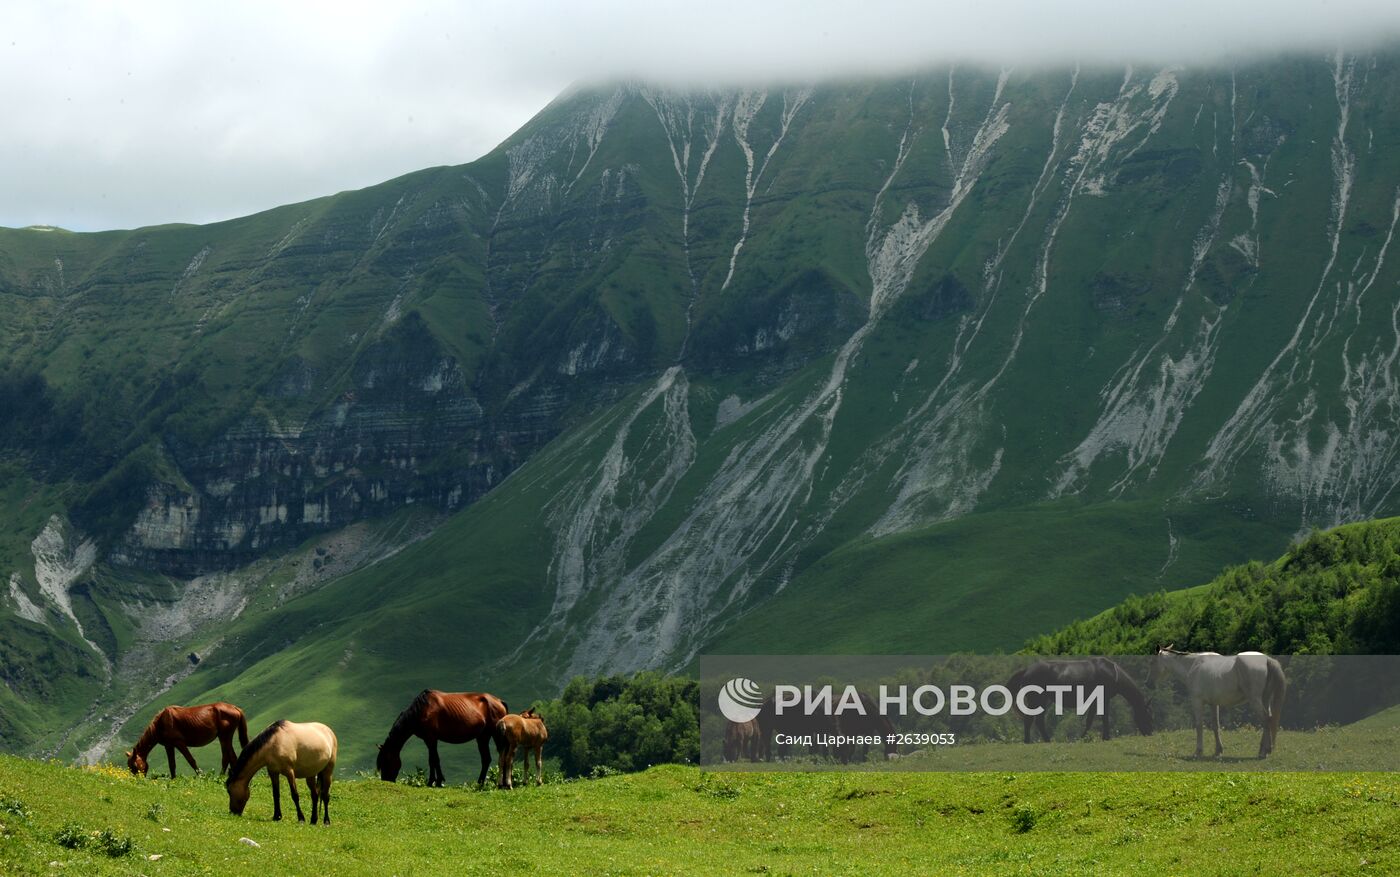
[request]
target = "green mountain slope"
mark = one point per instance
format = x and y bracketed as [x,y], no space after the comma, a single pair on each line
[1336,592]
[921,364]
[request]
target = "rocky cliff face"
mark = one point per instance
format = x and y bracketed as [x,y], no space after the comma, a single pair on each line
[406,430]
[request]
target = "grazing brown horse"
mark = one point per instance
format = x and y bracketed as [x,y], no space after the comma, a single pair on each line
[180,727]
[447,717]
[513,732]
[289,749]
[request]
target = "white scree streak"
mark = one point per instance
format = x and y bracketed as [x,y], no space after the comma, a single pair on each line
[938,479]
[1252,418]
[936,459]
[745,109]
[678,118]
[57,565]
[1143,405]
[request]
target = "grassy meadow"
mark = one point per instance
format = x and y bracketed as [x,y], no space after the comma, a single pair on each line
[676,819]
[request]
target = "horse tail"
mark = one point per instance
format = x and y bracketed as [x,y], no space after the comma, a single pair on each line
[1275,687]
[498,733]
[242,729]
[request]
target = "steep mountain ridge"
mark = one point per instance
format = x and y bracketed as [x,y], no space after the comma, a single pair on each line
[853,365]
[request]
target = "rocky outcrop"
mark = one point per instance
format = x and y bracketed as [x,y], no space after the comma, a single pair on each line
[406,429]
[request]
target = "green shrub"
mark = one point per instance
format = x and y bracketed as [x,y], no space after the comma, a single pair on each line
[1023,818]
[617,724]
[72,836]
[14,807]
[114,844]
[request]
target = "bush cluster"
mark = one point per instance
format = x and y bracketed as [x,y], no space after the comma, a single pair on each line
[616,724]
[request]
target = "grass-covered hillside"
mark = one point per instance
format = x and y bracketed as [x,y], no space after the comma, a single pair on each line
[679,820]
[1334,592]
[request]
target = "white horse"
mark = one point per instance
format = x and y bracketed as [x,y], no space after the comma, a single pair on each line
[1216,680]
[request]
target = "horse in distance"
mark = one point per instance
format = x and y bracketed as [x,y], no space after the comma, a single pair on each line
[742,740]
[1213,680]
[183,727]
[438,716]
[513,732]
[294,750]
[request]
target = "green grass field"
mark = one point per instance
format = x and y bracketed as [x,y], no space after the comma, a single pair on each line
[684,820]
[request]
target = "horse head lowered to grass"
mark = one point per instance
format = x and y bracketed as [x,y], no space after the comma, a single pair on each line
[438,716]
[291,749]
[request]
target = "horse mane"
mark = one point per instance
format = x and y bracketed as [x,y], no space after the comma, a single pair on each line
[147,741]
[256,745]
[402,728]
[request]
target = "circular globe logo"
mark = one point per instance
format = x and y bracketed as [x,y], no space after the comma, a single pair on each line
[740,700]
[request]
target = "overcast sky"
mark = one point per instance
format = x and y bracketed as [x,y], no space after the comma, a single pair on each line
[140,112]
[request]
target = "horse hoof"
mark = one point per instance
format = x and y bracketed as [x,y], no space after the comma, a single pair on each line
[277,817]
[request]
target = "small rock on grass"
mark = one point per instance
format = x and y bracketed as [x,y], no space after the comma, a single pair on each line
[249,841]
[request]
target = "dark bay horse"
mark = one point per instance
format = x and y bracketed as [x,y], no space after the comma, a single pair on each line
[1087,672]
[180,727]
[438,716]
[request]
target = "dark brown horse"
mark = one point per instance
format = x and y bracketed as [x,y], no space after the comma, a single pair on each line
[439,716]
[1081,671]
[180,727]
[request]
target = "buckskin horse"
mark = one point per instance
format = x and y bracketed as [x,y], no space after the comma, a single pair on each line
[293,750]
[1086,672]
[513,732]
[181,727]
[1215,680]
[438,716]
